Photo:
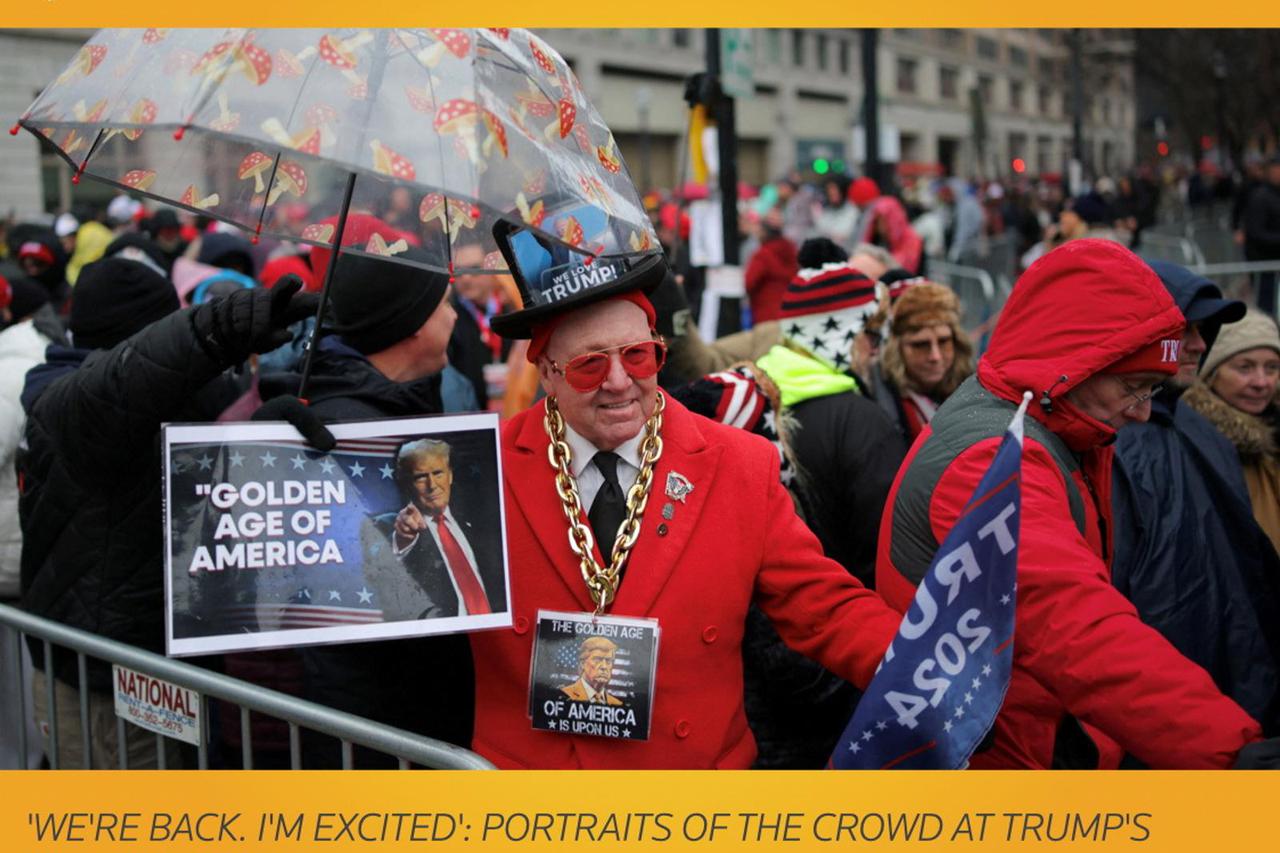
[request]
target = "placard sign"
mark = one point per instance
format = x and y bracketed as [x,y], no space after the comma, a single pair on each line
[396,532]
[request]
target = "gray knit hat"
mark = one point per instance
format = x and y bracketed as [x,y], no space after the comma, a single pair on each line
[1255,330]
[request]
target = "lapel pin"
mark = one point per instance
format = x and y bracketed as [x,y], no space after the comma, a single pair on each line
[678,486]
[668,510]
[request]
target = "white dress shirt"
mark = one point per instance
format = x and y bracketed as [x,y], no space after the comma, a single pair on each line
[588,475]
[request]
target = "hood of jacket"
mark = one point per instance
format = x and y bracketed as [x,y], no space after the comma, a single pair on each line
[1252,436]
[348,382]
[1075,311]
[59,360]
[801,378]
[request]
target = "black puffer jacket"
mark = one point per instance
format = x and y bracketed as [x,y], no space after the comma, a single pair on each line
[90,507]
[425,684]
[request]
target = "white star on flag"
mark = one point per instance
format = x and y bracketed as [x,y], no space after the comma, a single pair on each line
[1004,599]
[205,462]
[334,595]
[366,597]
[881,726]
[299,462]
[357,470]
[986,669]
[267,460]
[866,735]
[326,465]
[236,459]
[946,726]
[959,712]
[968,698]
[855,748]
[977,682]
[386,471]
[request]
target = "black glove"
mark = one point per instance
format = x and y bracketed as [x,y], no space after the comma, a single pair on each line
[1262,755]
[231,327]
[291,409]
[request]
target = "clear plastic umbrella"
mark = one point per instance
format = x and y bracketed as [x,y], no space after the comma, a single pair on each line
[439,132]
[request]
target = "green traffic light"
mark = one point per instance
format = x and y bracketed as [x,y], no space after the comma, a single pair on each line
[821,166]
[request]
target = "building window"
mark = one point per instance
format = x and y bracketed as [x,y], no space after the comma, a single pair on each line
[773,49]
[988,48]
[1015,95]
[907,76]
[986,89]
[949,82]
[1044,154]
[1048,68]
[1044,100]
[822,52]
[680,38]
[844,56]
[1017,146]
[797,48]
[907,34]
[953,39]
[1018,56]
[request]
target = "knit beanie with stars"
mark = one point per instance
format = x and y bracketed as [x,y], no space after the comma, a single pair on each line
[824,309]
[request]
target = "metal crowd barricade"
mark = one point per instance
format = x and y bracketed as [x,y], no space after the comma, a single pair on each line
[981,297]
[1162,247]
[1237,279]
[300,714]
[997,256]
[1216,242]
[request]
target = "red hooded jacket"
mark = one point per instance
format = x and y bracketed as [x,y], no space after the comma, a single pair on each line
[1080,651]
[768,273]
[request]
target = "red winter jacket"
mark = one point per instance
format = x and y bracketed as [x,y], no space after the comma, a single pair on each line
[770,271]
[1080,651]
[735,539]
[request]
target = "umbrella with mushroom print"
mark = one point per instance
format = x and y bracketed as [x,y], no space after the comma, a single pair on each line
[256,127]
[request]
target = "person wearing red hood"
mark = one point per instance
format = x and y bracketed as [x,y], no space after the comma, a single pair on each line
[770,269]
[1090,331]
[884,223]
[688,524]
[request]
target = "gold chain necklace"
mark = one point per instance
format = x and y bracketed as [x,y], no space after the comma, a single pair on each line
[602,583]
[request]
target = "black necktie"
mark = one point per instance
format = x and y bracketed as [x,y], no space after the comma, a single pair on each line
[609,509]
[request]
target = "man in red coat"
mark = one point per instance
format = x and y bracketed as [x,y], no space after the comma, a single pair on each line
[1090,331]
[715,531]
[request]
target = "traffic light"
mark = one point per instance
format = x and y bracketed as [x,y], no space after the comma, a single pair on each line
[821,166]
[1019,165]
[1162,148]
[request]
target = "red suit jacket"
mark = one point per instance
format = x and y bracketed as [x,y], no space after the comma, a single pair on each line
[735,539]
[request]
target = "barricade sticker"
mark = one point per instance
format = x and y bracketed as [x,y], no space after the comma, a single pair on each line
[157,705]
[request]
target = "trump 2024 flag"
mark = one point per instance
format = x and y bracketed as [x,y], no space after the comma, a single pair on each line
[942,681]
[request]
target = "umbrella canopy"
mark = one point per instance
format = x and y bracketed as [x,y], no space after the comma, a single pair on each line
[444,130]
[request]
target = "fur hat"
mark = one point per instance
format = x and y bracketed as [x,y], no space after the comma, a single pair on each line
[921,305]
[1255,330]
[925,304]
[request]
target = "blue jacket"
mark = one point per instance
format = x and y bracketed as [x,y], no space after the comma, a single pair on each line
[1188,552]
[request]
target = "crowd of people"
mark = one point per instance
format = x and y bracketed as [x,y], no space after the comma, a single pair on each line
[1148,577]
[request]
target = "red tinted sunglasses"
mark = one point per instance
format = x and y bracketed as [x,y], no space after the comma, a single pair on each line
[588,371]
